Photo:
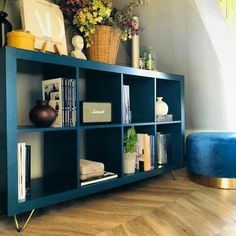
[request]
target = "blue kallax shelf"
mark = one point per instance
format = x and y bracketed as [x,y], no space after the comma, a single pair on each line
[56,152]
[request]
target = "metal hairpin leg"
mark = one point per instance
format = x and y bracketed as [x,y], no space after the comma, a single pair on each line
[173,175]
[21,228]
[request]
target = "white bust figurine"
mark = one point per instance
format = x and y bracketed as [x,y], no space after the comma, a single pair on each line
[78,43]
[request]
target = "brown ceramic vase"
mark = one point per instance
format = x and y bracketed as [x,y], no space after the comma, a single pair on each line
[42,115]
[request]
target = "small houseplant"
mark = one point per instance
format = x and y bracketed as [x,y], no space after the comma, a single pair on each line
[130,141]
[91,17]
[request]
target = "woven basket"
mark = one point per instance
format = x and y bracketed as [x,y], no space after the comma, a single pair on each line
[106,41]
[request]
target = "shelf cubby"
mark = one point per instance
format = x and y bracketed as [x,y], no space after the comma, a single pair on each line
[53,161]
[176,139]
[142,98]
[104,145]
[30,75]
[170,90]
[102,86]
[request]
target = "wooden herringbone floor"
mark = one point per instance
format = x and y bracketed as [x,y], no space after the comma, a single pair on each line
[158,206]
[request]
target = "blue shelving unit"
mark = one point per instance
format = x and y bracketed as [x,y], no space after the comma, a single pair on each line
[21,73]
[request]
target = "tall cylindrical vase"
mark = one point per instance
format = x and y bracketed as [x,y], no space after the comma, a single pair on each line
[5,27]
[135,47]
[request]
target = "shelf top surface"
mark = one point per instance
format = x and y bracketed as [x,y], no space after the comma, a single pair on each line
[51,58]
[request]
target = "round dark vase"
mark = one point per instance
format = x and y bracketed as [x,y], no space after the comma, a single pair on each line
[42,115]
[5,27]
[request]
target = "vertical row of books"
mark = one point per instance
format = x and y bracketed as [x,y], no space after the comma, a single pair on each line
[24,170]
[126,105]
[145,149]
[61,95]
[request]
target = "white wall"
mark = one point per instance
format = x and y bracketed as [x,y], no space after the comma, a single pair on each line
[178,33]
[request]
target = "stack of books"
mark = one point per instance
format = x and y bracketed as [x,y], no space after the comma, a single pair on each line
[24,170]
[61,95]
[145,149]
[126,105]
[92,172]
[165,118]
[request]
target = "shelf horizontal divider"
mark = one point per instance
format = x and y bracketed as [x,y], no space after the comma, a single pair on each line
[139,124]
[99,126]
[169,122]
[49,129]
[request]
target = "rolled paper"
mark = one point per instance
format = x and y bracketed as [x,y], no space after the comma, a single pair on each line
[135,48]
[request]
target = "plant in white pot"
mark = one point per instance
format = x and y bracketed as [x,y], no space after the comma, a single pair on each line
[130,141]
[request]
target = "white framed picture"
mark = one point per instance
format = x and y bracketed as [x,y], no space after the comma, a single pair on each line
[45,21]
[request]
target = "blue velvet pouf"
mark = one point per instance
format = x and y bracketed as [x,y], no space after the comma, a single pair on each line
[211,158]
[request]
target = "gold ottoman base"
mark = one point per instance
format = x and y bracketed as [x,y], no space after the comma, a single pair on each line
[224,183]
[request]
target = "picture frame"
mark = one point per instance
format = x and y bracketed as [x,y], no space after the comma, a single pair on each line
[45,21]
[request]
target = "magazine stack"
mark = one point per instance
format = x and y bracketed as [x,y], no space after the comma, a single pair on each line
[61,95]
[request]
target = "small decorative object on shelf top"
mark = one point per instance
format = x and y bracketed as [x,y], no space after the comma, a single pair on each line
[147,59]
[78,43]
[21,39]
[161,107]
[42,115]
[5,25]
[150,60]
[45,21]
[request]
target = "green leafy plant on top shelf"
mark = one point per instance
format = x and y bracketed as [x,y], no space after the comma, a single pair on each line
[130,140]
[85,15]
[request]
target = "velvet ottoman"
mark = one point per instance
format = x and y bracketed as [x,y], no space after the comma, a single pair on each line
[211,158]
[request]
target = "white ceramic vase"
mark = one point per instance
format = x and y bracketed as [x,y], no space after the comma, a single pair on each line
[161,107]
[129,162]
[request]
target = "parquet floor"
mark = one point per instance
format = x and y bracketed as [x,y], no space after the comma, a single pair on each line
[158,206]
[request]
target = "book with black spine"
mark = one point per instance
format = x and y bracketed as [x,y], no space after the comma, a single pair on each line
[28,170]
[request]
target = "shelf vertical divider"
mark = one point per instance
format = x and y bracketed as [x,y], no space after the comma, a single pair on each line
[122,122]
[78,124]
[11,132]
[182,121]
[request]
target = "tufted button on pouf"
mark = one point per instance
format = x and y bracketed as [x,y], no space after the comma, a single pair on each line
[211,158]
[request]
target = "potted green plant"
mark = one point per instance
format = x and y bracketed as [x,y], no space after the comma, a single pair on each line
[98,17]
[130,141]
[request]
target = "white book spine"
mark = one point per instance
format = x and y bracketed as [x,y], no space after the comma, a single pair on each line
[19,169]
[23,171]
[128,104]
[125,104]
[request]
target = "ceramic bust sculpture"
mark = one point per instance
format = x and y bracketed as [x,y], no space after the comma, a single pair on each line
[78,43]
